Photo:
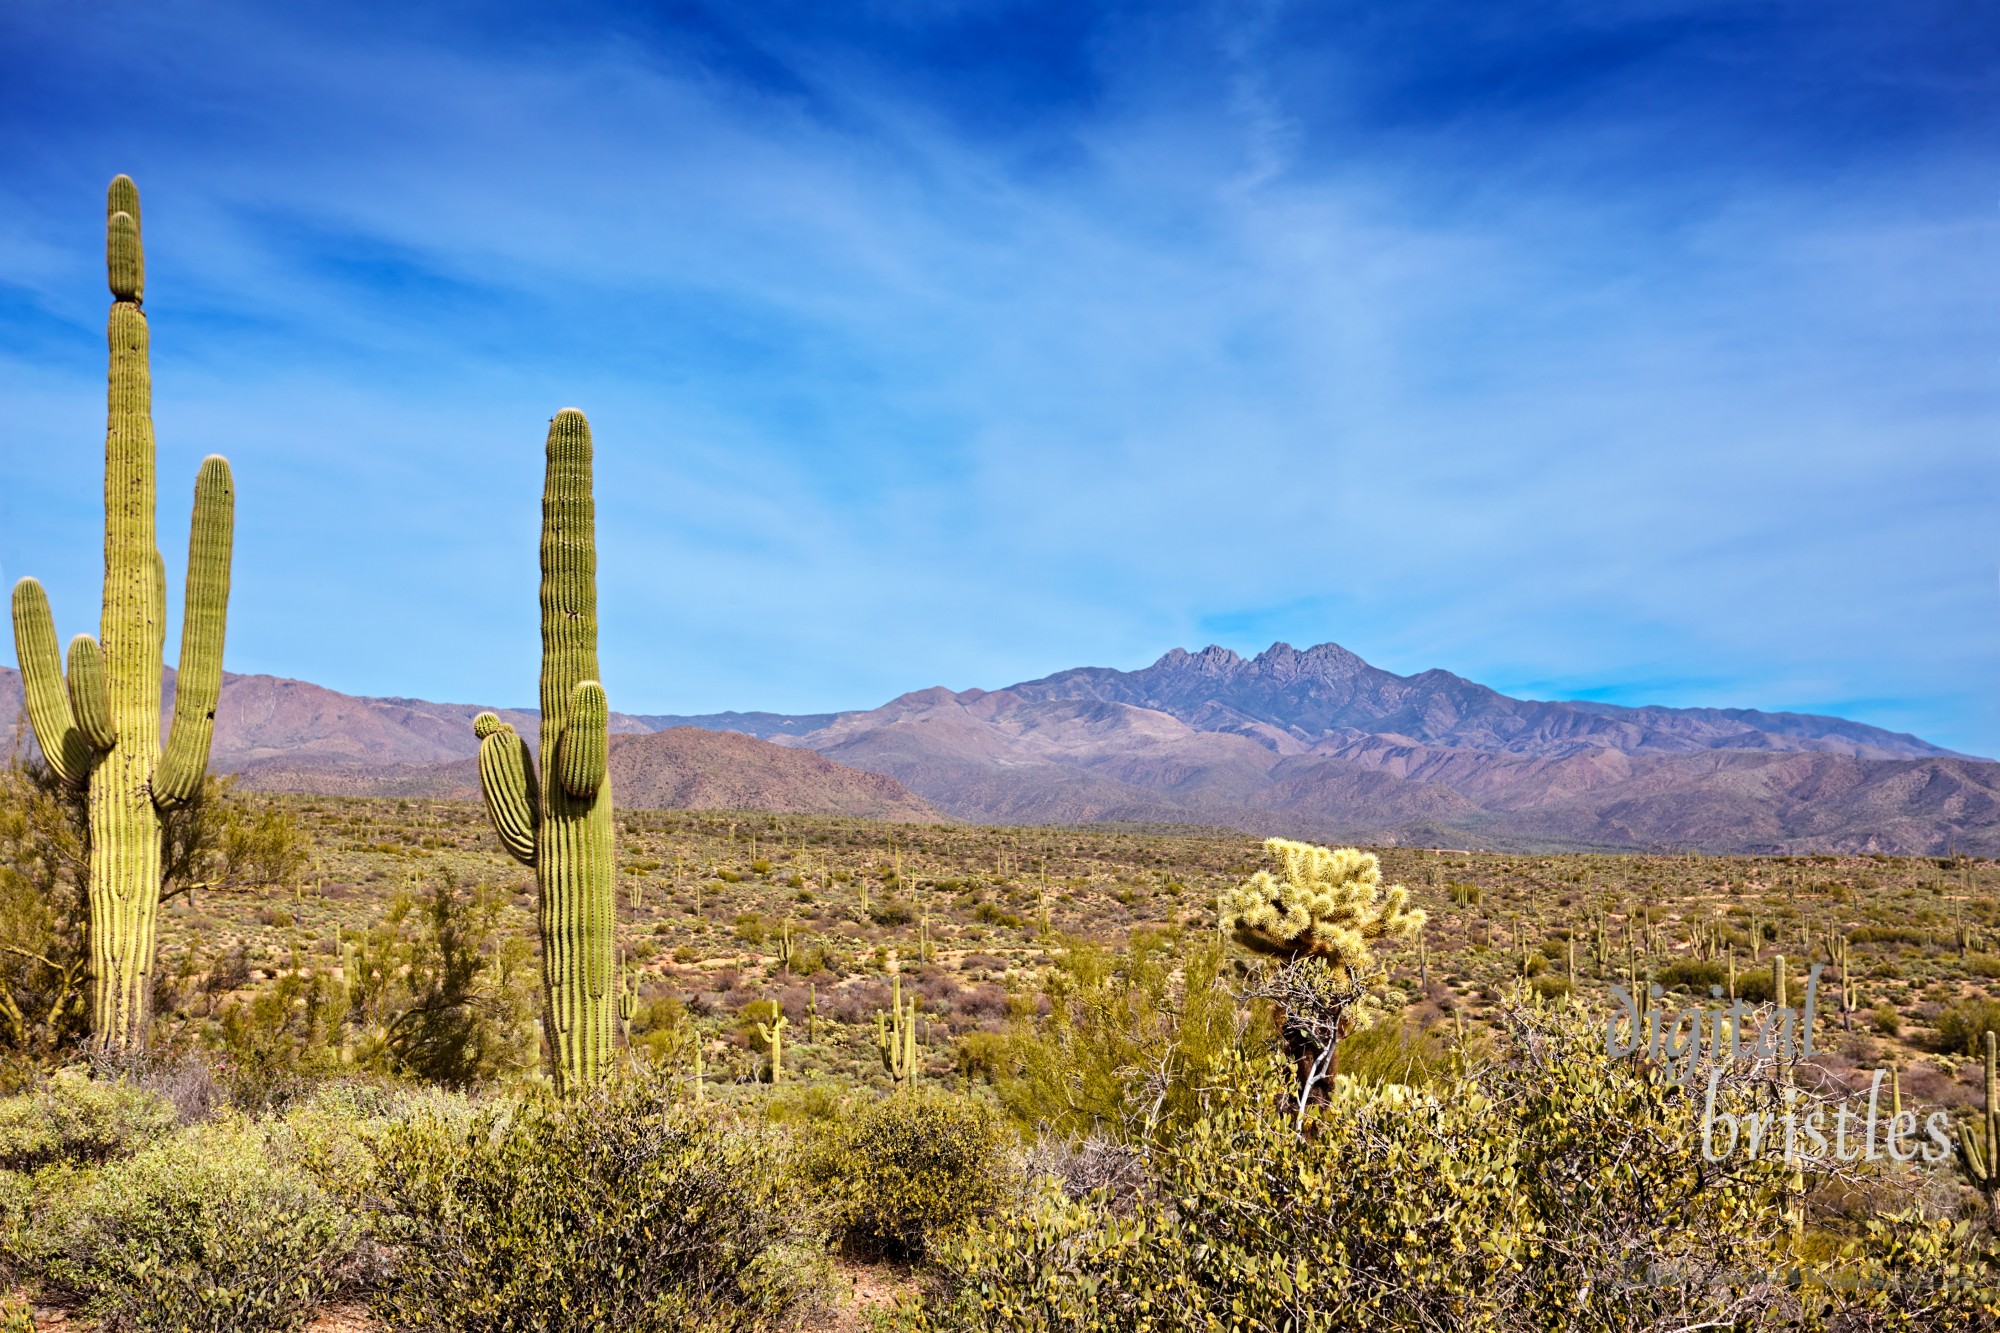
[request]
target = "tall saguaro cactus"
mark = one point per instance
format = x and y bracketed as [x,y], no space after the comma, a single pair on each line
[561,824]
[99,725]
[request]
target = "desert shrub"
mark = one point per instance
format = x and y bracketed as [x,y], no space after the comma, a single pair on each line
[1962,1027]
[79,1121]
[1556,1189]
[1129,1038]
[1394,1052]
[1550,987]
[1880,935]
[909,1170]
[283,1036]
[44,957]
[469,981]
[1692,974]
[981,1055]
[201,1232]
[263,847]
[1755,986]
[442,990]
[615,1209]
[891,912]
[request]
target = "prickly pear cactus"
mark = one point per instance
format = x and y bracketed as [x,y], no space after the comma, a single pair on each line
[561,823]
[98,725]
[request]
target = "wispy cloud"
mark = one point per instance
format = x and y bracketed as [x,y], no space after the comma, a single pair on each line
[962,345]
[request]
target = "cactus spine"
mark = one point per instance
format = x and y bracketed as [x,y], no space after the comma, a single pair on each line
[99,726]
[561,824]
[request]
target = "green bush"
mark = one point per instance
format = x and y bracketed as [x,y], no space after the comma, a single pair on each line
[1391,1051]
[1962,1027]
[79,1121]
[1754,986]
[203,1233]
[615,1209]
[1556,1189]
[910,1170]
[1696,975]
[891,912]
[1552,987]
[1162,1004]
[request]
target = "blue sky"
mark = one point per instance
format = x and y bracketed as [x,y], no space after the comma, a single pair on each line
[1645,352]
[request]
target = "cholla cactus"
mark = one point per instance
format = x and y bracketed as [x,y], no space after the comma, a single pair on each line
[1319,921]
[1323,906]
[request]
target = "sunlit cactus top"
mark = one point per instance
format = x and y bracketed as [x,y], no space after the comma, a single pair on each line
[1322,904]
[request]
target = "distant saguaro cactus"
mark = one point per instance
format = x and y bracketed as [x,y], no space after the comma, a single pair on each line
[99,727]
[1979,1149]
[772,1034]
[561,825]
[896,1037]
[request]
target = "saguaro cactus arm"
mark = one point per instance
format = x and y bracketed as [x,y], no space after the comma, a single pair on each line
[203,618]
[507,780]
[583,750]
[49,713]
[89,697]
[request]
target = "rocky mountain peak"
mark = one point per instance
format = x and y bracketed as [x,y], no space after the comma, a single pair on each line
[1214,660]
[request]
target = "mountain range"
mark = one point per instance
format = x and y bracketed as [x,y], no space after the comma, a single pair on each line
[1314,743]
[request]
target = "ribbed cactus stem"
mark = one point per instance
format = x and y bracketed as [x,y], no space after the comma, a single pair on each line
[1979,1154]
[1992,1114]
[1778,980]
[896,1036]
[562,826]
[773,1035]
[99,728]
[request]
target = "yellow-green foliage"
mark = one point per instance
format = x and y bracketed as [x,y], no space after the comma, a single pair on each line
[44,956]
[1130,1038]
[616,1208]
[1555,1190]
[79,1121]
[205,1232]
[910,1170]
[1322,904]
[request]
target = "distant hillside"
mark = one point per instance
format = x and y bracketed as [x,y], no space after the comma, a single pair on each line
[1321,744]
[681,769]
[1316,743]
